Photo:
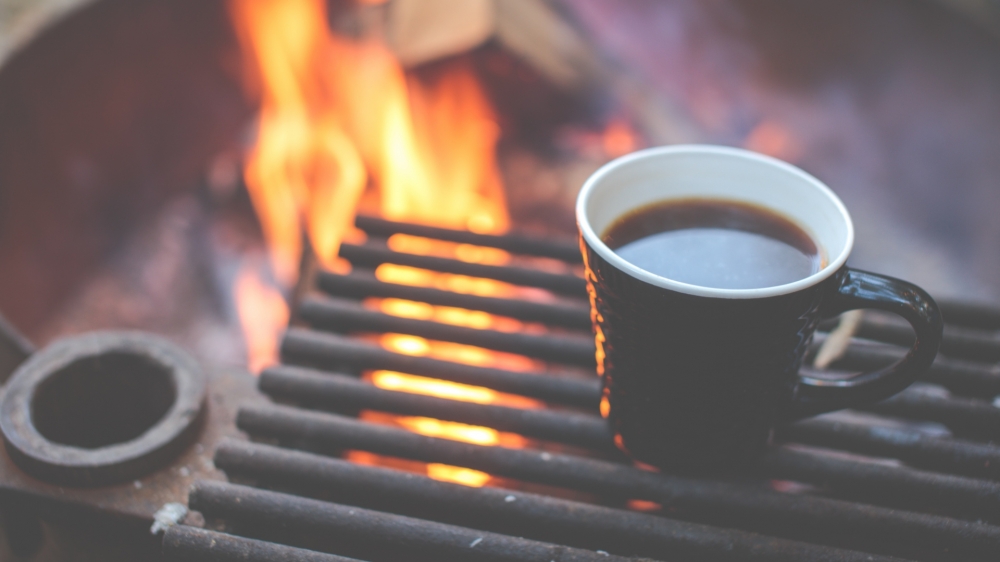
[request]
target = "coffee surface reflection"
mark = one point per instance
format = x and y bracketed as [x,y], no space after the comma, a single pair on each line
[715,243]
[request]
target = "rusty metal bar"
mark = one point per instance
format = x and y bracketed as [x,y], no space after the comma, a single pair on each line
[346,315]
[15,348]
[958,342]
[875,483]
[959,376]
[956,456]
[190,544]
[963,414]
[973,315]
[370,255]
[335,392]
[408,537]
[533,516]
[360,285]
[329,351]
[565,250]
[871,481]
[967,416]
[811,519]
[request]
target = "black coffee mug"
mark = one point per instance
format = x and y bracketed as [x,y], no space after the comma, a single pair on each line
[697,377]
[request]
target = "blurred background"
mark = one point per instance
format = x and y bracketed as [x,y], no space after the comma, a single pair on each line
[175,165]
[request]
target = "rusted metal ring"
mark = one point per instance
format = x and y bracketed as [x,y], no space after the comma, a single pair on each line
[101,408]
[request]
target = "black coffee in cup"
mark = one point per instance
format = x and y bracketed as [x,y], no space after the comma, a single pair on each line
[717,243]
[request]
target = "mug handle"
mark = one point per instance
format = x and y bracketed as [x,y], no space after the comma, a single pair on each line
[861,289]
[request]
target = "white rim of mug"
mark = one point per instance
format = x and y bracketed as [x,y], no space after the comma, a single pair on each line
[595,242]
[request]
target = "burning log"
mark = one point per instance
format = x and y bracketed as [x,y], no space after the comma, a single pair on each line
[423,31]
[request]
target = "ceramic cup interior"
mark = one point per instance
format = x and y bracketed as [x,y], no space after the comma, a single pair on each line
[714,172]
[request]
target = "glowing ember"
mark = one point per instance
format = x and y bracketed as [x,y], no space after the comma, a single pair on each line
[402,382]
[643,505]
[459,475]
[391,380]
[451,430]
[440,248]
[407,345]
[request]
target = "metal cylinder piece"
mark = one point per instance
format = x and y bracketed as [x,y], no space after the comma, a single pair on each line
[102,408]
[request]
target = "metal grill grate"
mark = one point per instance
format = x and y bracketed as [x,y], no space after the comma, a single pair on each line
[914,477]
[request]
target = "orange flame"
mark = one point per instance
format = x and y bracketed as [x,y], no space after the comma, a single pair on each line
[774,139]
[263,315]
[304,167]
[338,116]
[619,138]
[329,106]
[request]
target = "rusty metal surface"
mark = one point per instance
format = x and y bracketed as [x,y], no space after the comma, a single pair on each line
[516,513]
[134,502]
[398,536]
[102,407]
[14,348]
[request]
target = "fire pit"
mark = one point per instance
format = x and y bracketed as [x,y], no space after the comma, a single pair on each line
[376,220]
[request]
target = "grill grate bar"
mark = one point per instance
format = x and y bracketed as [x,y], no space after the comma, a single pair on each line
[977,416]
[523,514]
[303,347]
[978,315]
[568,250]
[416,539]
[345,315]
[886,485]
[912,446]
[797,517]
[189,544]
[334,392]
[960,376]
[371,255]
[360,285]
[966,416]
[957,341]
[875,482]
